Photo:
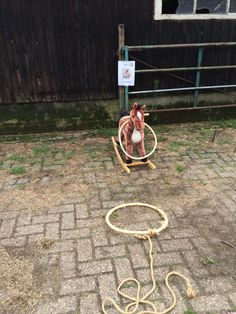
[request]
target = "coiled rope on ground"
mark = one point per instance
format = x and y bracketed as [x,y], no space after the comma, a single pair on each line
[135,302]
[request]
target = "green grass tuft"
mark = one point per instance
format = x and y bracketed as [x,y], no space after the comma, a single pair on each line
[177,145]
[18,170]
[41,150]
[231,123]
[102,132]
[180,168]
[189,312]
[208,260]
[115,215]
[16,157]
[69,154]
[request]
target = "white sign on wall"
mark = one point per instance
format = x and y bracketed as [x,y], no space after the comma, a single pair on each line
[126,73]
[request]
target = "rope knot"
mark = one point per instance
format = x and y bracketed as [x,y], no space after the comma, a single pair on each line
[150,233]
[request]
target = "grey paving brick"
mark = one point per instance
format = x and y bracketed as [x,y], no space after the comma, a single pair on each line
[232,297]
[123,269]
[143,275]
[41,219]
[110,251]
[95,267]
[165,259]
[75,233]
[62,305]
[30,229]
[33,238]
[94,203]
[108,286]
[23,181]
[14,241]
[90,223]
[89,304]
[118,238]
[109,165]
[99,237]
[105,195]
[183,233]
[52,230]
[216,284]
[61,209]
[111,204]
[24,218]
[68,220]
[53,259]
[174,245]
[102,185]
[201,244]
[138,256]
[195,264]
[6,229]
[210,303]
[82,211]
[68,264]
[180,304]
[99,213]
[77,285]
[90,177]
[10,183]
[8,215]
[85,251]
[63,246]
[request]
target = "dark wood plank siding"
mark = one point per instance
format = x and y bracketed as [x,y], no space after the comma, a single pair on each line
[59,50]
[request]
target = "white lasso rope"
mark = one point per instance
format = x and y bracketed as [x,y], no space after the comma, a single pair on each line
[132,157]
[132,307]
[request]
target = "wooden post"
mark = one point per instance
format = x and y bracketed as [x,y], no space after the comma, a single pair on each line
[121,40]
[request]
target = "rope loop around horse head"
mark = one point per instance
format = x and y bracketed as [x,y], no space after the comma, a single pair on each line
[132,157]
[137,300]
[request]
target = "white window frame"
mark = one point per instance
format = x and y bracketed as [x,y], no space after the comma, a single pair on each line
[159,16]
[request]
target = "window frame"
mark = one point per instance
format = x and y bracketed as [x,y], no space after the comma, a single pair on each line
[159,16]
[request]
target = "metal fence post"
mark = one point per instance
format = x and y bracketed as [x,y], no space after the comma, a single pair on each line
[198,76]
[126,87]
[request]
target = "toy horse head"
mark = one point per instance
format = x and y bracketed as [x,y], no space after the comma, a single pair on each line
[137,116]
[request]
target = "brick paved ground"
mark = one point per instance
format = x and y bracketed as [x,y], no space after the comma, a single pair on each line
[87,261]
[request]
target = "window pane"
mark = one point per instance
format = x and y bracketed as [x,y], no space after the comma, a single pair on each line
[232,8]
[211,6]
[185,7]
[177,6]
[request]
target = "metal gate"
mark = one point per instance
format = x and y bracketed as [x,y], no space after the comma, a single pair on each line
[123,54]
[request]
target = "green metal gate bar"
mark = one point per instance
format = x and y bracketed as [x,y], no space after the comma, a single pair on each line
[125,51]
[198,76]
[217,67]
[181,89]
[221,44]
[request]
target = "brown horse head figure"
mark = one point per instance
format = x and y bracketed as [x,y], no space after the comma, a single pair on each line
[137,116]
[134,123]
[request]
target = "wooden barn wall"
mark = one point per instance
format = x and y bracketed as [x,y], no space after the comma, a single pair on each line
[57,50]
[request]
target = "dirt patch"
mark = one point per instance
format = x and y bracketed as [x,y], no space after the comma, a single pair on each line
[178,139]
[16,283]
[44,243]
[39,195]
